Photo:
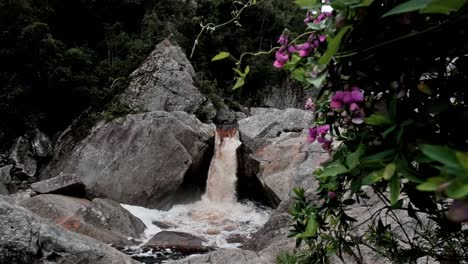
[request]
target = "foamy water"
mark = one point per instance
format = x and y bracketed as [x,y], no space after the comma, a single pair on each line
[213,222]
[218,216]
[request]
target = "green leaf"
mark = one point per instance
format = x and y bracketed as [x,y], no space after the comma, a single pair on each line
[409,6]
[458,189]
[394,189]
[333,46]
[352,160]
[317,82]
[221,56]
[432,184]
[240,82]
[380,156]
[292,62]
[442,154]
[389,171]
[311,228]
[306,4]
[299,74]
[332,170]
[443,6]
[377,119]
[373,177]
[462,158]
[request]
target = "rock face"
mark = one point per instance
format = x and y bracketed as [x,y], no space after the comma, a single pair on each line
[68,184]
[285,95]
[165,81]
[27,238]
[139,159]
[179,241]
[277,141]
[103,220]
[5,176]
[22,156]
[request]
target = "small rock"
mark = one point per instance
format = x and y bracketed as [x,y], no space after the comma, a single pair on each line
[5,176]
[25,164]
[179,241]
[237,238]
[41,144]
[3,190]
[68,184]
[163,225]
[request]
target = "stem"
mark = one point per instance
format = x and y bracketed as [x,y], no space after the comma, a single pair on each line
[213,27]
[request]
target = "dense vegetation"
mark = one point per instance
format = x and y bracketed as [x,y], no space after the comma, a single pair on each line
[58,58]
[392,77]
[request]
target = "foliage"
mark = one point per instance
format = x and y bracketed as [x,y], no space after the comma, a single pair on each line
[392,94]
[59,58]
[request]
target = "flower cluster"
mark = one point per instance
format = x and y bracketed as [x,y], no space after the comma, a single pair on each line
[284,52]
[320,17]
[350,101]
[319,133]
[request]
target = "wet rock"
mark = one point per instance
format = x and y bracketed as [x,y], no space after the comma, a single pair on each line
[163,225]
[110,214]
[67,184]
[41,144]
[140,159]
[23,158]
[103,220]
[165,81]
[178,241]
[27,238]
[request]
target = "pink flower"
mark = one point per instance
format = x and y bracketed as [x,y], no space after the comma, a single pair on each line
[331,195]
[353,107]
[278,64]
[282,56]
[283,40]
[322,130]
[322,38]
[305,49]
[357,96]
[327,145]
[312,134]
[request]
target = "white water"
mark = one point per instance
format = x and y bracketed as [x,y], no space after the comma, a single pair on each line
[217,216]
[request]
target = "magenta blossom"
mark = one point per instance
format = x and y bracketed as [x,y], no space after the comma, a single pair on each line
[283,40]
[319,134]
[305,49]
[350,100]
[331,195]
[282,56]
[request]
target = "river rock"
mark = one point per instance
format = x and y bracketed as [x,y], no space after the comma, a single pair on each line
[41,144]
[27,238]
[23,158]
[5,176]
[139,159]
[68,184]
[277,141]
[165,81]
[3,190]
[103,220]
[178,241]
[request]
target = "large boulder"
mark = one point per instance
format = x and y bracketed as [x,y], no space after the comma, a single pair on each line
[165,81]
[27,238]
[139,159]
[285,94]
[23,158]
[277,141]
[3,190]
[5,176]
[103,220]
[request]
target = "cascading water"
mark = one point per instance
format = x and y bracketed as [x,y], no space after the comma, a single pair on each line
[218,216]
[222,176]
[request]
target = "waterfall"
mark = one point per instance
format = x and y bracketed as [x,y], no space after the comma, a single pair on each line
[222,175]
[218,216]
